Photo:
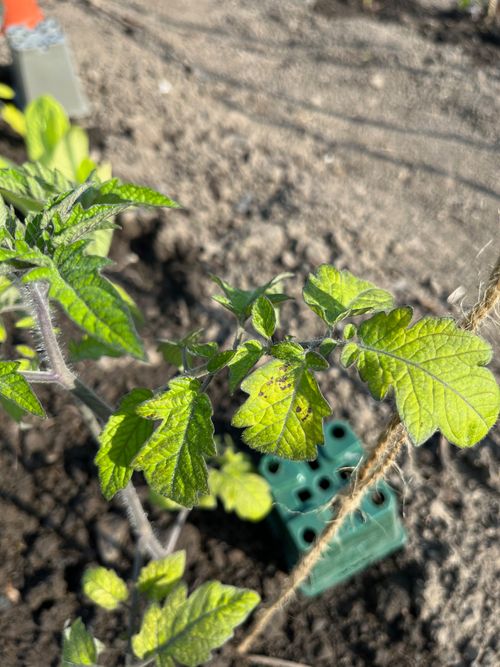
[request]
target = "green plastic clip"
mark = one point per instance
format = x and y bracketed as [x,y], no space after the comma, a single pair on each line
[303,492]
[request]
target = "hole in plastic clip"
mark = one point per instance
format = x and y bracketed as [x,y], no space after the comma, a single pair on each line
[314,465]
[338,432]
[324,483]
[378,498]
[309,535]
[346,472]
[304,494]
[273,467]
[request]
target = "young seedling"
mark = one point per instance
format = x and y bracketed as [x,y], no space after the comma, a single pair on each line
[435,369]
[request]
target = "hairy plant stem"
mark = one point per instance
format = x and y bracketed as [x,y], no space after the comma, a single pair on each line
[92,407]
[371,470]
[176,530]
[40,377]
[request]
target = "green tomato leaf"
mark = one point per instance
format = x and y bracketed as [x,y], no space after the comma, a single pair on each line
[26,322]
[90,348]
[207,620]
[204,350]
[349,354]
[436,370]
[240,302]
[204,502]
[79,647]
[173,459]
[68,153]
[136,194]
[156,627]
[159,577]
[188,633]
[120,440]
[104,587]
[30,186]
[15,389]
[335,295]
[264,317]
[81,222]
[89,299]
[172,350]
[316,362]
[172,353]
[247,355]
[241,490]
[219,361]
[284,412]
[349,331]
[327,347]
[288,351]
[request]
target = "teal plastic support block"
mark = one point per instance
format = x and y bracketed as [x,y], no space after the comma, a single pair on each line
[303,492]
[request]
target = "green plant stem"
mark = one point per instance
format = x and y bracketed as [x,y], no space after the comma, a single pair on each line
[133,603]
[92,407]
[240,331]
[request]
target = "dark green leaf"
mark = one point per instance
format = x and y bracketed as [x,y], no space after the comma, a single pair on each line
[220,360]
[240,302]
[89,299]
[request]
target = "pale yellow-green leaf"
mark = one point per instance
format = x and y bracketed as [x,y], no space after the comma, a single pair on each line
[46,125]
[335,295]
[207,620]
[156,625]
[158,578]
[284,412]
[68,153]
[104,587]
[437,372]
[241,490]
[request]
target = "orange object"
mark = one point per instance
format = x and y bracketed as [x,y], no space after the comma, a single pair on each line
[21,12]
